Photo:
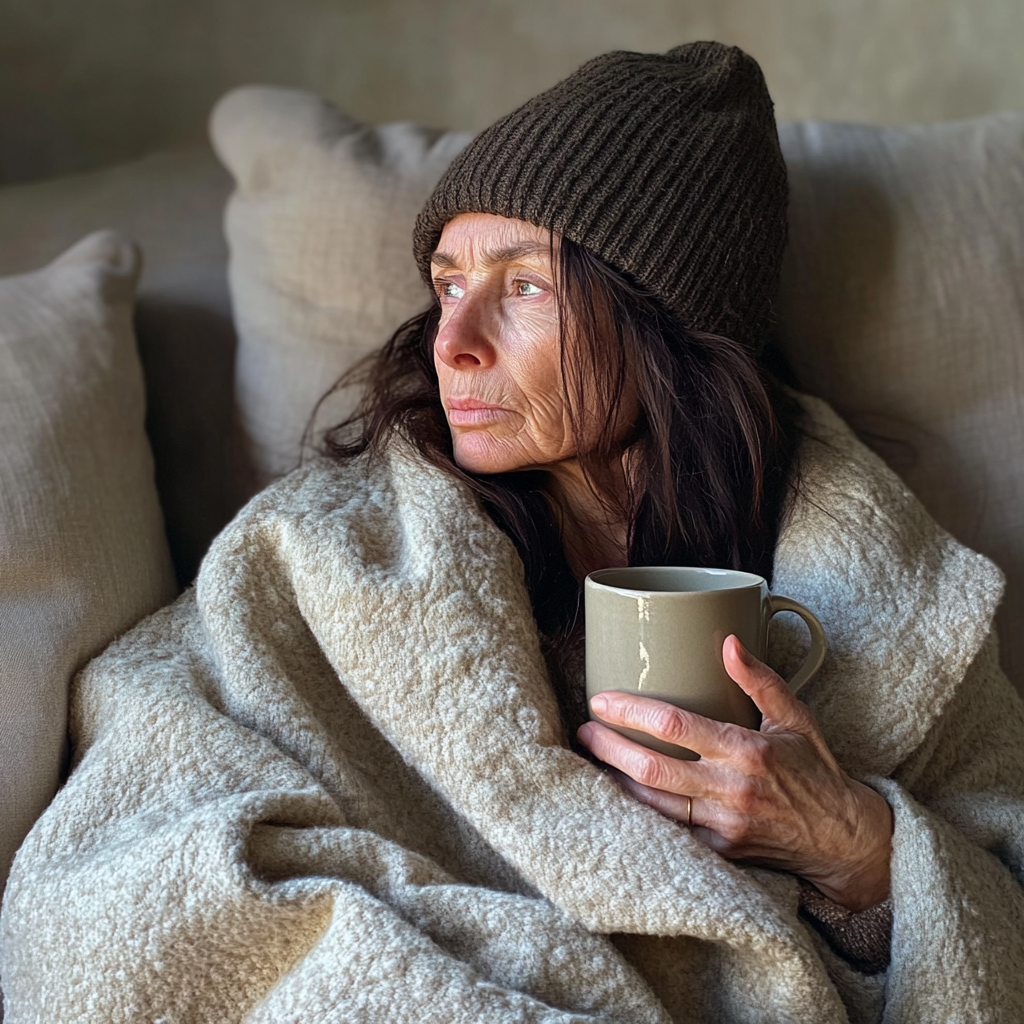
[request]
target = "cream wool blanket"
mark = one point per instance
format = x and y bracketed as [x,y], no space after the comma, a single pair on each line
[330,784]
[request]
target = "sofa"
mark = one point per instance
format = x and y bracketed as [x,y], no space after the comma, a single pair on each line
[169,326]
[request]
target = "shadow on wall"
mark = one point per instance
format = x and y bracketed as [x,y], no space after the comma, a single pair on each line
[84,85]
[188,355]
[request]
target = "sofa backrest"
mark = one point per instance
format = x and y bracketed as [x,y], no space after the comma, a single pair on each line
[902,300]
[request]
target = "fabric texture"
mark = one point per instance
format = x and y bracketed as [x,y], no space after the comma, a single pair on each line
[320,269]
[667,166]
[170,204]
[902,304]
[82,548]
[330,783]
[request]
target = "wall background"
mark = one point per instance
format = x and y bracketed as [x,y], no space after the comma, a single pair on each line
[85,83]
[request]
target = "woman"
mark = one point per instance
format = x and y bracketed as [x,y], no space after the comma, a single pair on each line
[498,369]
[335,781]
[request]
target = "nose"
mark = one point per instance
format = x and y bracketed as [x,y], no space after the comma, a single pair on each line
[462,342]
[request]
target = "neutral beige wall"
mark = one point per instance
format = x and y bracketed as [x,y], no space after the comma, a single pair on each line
[87,82]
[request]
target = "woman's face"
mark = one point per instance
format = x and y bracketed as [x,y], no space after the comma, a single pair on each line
[497,345]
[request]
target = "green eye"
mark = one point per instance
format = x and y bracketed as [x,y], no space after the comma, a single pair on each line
[529,288]
[449,290]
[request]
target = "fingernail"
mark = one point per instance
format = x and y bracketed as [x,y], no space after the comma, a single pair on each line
[583,733]
[599,703]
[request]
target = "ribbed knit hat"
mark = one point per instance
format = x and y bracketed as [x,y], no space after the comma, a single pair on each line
[667,166]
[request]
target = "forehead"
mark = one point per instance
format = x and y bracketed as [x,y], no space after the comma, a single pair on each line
[485,238]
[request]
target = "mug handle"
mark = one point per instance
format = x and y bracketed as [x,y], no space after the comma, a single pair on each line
[819,644]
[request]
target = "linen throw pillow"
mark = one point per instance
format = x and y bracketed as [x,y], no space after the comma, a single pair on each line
[82,548]
[170,203]
[903,306]
[321,268]
[902,300]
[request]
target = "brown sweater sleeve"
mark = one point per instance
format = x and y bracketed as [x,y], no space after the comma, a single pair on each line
[862,939]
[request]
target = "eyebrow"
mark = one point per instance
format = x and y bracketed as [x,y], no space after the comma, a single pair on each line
[505,254]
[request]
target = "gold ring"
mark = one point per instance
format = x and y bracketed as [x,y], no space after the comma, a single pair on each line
[689,812]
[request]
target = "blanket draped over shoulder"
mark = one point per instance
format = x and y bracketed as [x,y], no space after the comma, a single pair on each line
[330,784]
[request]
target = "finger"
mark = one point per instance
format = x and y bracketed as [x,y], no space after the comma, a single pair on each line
[704,736]
[672,805]
[765,687]
[648,767]
[704,816]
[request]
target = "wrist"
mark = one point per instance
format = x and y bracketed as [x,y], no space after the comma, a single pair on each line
[860,877]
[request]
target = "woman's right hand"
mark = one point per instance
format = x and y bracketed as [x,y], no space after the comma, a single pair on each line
[775,797]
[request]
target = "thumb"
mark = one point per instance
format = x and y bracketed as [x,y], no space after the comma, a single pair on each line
[765,687]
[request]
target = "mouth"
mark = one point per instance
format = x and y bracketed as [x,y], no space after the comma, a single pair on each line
[470,412]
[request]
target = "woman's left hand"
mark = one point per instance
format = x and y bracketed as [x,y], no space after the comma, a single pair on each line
[776,797]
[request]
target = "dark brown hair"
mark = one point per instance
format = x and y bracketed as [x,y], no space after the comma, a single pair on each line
[707,460]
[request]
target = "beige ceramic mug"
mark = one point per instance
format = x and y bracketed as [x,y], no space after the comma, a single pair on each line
[658,631]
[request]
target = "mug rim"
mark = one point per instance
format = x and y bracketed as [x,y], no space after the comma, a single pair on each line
[752,580]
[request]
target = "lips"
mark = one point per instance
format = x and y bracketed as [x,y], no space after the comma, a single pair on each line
[469,412]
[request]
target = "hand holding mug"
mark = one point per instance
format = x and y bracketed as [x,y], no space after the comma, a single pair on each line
[697,726]
[774,797]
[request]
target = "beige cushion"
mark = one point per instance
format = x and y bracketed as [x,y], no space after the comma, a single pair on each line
[82,548]
[903,297]
[172,205]
[903,305]
[321,269]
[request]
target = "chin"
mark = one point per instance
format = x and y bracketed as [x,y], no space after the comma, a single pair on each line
[476,453]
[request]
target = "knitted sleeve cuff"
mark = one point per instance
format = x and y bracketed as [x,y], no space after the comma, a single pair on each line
[862,939]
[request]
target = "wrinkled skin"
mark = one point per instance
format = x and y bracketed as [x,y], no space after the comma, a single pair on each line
[775,796]
[497,345]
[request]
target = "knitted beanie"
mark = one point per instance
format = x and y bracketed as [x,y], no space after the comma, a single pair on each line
[666,166]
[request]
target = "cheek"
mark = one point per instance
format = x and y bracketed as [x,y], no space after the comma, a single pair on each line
[532,360]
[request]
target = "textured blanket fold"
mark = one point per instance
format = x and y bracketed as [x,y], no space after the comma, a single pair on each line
[330,784]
